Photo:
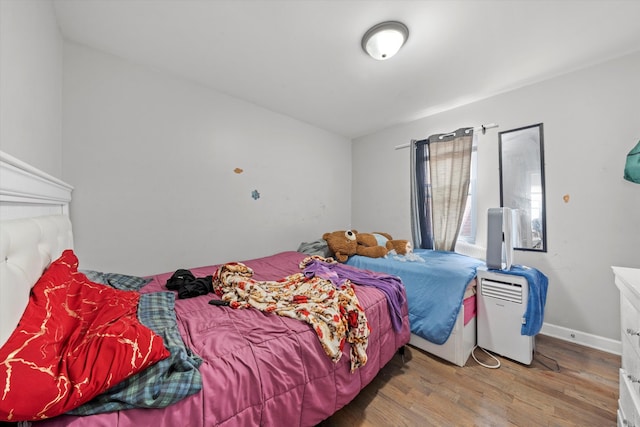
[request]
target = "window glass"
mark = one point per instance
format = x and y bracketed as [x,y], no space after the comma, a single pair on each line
[468,227]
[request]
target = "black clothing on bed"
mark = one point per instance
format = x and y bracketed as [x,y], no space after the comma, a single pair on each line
[188,285]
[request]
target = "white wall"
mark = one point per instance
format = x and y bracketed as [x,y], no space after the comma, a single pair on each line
[31,84]
[152,159]
[591,121]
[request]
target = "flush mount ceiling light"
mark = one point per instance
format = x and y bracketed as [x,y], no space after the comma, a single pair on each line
[385,39]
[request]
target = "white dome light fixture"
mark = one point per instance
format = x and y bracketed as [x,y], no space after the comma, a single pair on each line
[385,39]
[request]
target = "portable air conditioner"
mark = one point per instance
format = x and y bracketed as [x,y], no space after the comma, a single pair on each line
[502,302]
[501,237]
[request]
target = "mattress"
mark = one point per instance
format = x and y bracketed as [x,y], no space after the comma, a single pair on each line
[259,368]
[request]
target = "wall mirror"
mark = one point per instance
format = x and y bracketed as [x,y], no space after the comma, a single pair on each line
[522,185]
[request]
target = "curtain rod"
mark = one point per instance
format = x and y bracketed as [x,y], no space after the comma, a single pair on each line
[482,128]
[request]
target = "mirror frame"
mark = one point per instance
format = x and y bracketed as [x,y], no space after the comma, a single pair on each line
[505,138]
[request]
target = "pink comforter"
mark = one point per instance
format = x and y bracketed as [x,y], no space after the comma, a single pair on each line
[261,369]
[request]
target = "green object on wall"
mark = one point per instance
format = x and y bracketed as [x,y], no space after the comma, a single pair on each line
[632,167]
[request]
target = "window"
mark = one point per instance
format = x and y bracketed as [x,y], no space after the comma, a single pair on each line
[469,222]
[437,213]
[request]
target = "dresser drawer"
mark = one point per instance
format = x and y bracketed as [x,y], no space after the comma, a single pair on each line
[630,323]
[631,362]
[628,402]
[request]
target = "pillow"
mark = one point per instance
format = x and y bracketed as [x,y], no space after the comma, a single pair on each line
[162,384]
[75,340]
[115,280]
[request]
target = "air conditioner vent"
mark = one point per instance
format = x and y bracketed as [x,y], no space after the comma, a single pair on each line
[502,290]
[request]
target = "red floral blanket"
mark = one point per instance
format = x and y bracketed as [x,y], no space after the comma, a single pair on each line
[334,313]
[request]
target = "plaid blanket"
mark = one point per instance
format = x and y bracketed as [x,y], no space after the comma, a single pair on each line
[116,280]
[164,383]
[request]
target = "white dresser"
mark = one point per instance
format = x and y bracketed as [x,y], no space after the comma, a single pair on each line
[628,281]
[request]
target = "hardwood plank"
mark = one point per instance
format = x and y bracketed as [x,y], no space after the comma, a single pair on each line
[428,391]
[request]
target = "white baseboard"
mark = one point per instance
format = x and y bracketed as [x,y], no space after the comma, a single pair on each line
[582,338]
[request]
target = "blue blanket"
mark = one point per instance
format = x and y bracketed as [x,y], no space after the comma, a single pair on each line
[538,284]
[435,288]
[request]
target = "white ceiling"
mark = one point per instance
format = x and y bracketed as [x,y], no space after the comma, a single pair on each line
[303,58]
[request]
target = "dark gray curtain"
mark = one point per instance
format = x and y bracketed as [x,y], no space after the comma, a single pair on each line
[421,195]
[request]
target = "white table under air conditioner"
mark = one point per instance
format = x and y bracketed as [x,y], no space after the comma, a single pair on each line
[628,282]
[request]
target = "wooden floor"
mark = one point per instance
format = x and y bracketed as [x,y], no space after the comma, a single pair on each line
[427,391]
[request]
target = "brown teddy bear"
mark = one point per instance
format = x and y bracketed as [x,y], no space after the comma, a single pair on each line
[345,243]
[342,243]
[371,245]
[402,247]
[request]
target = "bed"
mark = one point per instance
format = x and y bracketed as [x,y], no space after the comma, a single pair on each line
[244,366]
[440,288]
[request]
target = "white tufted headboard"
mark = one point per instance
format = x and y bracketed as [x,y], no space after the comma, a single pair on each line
[34,230]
